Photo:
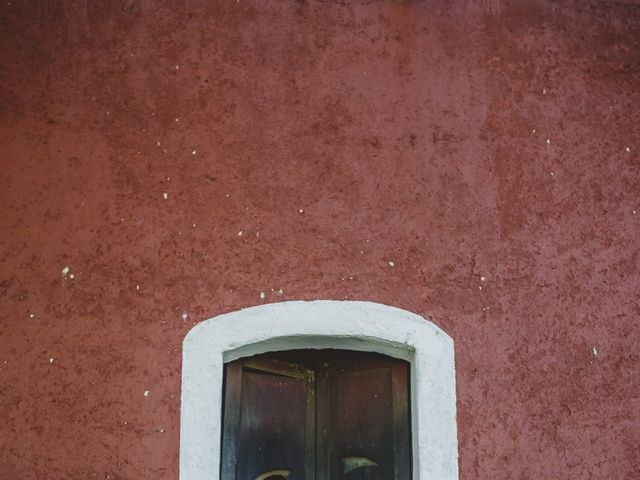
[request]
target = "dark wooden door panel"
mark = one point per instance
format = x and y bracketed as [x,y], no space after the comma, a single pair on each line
[361,437]
[272,430]
[275,421]
[367,417]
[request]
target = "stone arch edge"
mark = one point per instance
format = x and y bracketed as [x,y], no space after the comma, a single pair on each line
[355,325]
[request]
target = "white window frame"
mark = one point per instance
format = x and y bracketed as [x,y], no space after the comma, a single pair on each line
[350,325]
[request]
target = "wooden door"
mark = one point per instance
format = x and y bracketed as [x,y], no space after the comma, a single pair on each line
[314,415]
[363,420]
[269,421]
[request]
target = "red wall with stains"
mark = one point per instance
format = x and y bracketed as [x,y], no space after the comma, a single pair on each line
[491,150]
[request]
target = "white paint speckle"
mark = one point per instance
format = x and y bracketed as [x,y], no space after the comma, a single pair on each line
[301,211]
[483,279]
[263,295]
[158,143]
[177,67]
[551,173]
[548,141]
[544,91]
[146,393]
[193,152]
[627,149]
[392,264]
[533,131]
[634,212]
[51,360]
[194,225]
[72,276]
[65,271]
[184,316]
[137,287]
[32,315]
[595,351]
[165,195]
[240,233]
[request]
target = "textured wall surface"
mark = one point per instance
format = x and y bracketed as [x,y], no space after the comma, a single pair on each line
[165,162]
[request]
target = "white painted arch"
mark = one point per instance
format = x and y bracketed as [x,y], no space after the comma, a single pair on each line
[363,326]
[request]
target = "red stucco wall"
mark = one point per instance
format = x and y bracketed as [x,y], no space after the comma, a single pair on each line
[491,150]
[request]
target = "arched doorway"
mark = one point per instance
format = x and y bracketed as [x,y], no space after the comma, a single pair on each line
[354,326]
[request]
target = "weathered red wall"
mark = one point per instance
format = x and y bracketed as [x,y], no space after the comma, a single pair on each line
[411,132]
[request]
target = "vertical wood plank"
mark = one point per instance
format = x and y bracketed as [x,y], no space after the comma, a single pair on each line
[231,419]
[310,437]
[401,421]
[323,420]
